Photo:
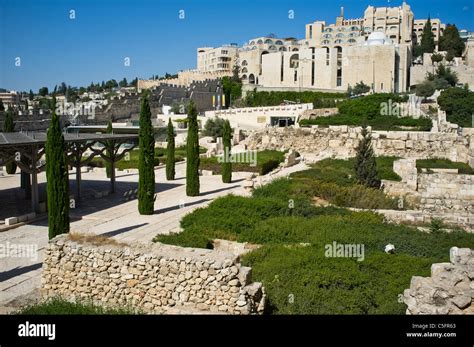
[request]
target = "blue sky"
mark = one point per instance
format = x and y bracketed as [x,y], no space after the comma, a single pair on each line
[92,47]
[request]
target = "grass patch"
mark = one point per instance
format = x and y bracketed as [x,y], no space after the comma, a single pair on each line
[267,161]
[319,285]
[132,162]
[59,306]
[463,168]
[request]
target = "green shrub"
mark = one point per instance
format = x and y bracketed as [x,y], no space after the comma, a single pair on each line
[59,306]
[463,168]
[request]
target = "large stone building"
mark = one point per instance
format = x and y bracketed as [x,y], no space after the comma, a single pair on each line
[220,59]
[375,48]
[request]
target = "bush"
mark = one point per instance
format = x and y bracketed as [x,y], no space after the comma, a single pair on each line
[458,104]
[319,99]
[59,306]
[214,127]
[367,110]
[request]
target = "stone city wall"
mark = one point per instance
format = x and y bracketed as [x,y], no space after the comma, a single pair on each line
[152,278]
[341,142]
[449,290]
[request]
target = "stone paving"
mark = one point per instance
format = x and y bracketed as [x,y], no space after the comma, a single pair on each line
[111,216]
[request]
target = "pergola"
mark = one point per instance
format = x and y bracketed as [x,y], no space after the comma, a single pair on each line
[27,148]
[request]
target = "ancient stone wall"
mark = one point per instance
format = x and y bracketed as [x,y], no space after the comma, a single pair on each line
[152,278]
[449,290]
[435,190]
[341,142]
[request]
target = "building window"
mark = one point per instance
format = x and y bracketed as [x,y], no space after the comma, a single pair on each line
[296,75]
[310,31]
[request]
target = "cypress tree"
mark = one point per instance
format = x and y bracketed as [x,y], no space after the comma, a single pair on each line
[57,179]
[146,167]
[427,44]
[192,153]
[108,166]
[365,165]
[9,127]
[227,165]
[170,160]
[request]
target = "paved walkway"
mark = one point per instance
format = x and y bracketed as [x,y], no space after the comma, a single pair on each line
[112,216]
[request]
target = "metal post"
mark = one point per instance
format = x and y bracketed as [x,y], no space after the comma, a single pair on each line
[34,181]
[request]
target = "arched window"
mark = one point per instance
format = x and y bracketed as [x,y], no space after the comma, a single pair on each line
[268,42]
[259,42]
[379,28]
[272,48]
[295,49]
[327,36]
[338,41]
[328,30]
[244,77]
[244,63]
[325,42]
[279,42]
[252,43]
[251,78]
[393,27]
[354,28]
[282,49]
[294,61]
[244,70]
[352,41]
[340,35]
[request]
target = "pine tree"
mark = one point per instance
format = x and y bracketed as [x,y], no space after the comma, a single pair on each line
[57,179]
[108,165]
[170,160]
[365,165]
[146,165]
[192,153]
[427,44]
[451,42]
[227,165]
[9,127]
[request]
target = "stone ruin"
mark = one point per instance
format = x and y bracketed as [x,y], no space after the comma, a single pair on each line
[449,289]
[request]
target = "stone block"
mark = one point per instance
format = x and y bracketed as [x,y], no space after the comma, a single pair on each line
[11,221]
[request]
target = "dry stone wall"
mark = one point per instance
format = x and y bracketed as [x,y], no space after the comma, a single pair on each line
[341,142]
[449,290]
[153,278]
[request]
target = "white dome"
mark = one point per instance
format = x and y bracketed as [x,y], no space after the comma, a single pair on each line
[378,38]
